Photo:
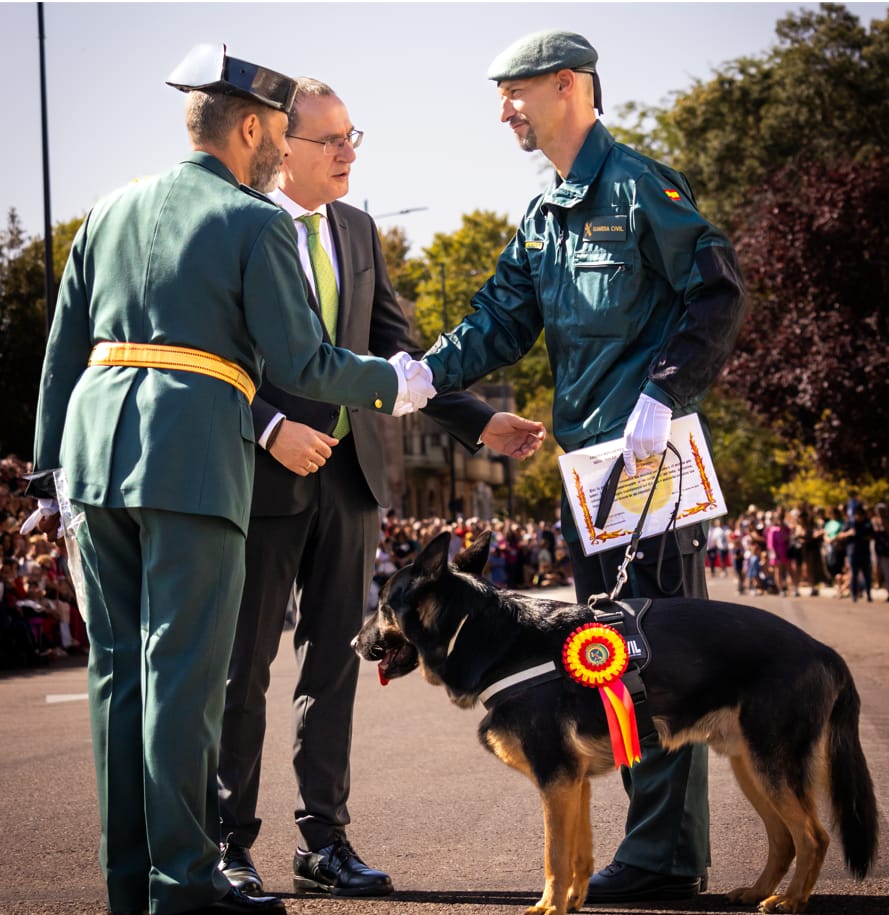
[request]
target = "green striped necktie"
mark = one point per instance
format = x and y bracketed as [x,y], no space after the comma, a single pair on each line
[327,293]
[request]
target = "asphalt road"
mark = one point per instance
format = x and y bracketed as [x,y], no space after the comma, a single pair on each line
[457,830]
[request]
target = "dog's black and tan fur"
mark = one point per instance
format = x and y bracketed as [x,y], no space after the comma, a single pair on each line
[782,706]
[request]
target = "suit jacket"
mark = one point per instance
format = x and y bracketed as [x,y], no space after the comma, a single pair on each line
[192,259]
[370,321]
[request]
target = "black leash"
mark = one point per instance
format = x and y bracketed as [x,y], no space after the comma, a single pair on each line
[609,490]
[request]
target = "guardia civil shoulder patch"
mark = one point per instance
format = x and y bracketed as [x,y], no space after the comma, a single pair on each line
[672,193]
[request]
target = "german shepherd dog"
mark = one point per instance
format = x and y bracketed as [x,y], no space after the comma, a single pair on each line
[782,706]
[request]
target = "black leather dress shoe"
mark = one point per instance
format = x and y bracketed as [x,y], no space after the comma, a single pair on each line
[338,870]
[237,865]
[234,902]
[624,883]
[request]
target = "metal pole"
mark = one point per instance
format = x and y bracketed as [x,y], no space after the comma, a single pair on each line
[444,300]
[452,500]
[49,283]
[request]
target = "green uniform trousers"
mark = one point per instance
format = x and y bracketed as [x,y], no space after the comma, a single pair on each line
[668,820]
[162,595]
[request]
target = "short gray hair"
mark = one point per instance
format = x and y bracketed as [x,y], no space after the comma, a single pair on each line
[306,87]
[211,116]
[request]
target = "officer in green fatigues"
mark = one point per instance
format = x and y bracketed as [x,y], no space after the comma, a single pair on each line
[177,292]
[640,301]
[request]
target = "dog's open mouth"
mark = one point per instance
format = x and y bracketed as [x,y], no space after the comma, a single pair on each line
[396,662]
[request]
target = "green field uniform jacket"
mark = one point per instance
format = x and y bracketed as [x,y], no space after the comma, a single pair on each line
[633,288]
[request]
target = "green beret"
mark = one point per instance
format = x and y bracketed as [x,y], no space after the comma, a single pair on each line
[544,52]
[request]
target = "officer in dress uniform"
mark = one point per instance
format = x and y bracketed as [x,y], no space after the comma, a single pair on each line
[177,292]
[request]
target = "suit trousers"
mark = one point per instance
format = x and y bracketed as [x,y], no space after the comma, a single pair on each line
[162,593]
[668,821]
[328,550]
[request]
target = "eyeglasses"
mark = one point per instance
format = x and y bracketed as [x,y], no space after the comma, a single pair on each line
[333,145]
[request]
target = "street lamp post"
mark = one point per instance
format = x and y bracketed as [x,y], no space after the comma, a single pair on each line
[452,491]
[49,282]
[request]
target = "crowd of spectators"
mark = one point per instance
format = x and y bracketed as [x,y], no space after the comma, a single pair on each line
[39,617]
[522,554]
[841,551]
[844,549]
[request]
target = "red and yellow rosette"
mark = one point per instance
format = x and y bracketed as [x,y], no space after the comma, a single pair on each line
[596,655]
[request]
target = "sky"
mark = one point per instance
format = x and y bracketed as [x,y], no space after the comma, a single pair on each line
[411,74]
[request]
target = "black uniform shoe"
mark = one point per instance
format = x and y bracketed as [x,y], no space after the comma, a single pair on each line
[234,902]
[237,865]
[624,883]
[338,870]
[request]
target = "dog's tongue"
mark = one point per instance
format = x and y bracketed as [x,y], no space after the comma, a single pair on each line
[384,680]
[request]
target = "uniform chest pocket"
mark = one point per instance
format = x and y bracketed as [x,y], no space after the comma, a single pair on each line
[606,280]
[609,261]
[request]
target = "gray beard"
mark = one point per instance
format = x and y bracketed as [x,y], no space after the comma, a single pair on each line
[265,167]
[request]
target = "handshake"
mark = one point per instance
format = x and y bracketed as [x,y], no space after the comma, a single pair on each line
[414,384]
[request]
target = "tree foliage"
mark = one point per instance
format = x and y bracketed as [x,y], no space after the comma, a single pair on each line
[404,272]
[785,150]
[814,358]
[23,326]
[538,486]
[452,269]
[821,94]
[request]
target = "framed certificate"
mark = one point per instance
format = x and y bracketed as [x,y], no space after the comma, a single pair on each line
[586,471]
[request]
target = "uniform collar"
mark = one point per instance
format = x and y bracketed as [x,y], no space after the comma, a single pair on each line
[211,163]
[568,192]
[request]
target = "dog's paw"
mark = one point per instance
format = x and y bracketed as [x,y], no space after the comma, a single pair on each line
[745,895]
[783,904]
[540,909]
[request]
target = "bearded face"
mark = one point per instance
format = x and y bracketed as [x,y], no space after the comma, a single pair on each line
[265,165]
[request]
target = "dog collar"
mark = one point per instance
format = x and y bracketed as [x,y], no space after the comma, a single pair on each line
[526,677]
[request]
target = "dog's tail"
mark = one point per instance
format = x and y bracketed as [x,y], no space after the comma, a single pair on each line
[851,787]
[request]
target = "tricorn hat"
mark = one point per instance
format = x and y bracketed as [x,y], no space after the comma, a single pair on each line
[207,67]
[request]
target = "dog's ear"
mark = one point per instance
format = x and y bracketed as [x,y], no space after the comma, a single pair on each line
[433,560]
[474,558]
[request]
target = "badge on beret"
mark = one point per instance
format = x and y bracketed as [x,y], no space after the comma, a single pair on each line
[672,193]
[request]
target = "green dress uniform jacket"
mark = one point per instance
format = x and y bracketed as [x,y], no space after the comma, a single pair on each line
[161,464]
[636,293]
[188,259]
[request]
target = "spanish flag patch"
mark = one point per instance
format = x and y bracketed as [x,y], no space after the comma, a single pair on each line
[672,193]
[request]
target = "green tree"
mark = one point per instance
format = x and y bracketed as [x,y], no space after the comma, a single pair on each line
[746,452]
[23,326]
[538,486]
[813,360]
[786,150]
[454,266]
[405,272]
[821,94]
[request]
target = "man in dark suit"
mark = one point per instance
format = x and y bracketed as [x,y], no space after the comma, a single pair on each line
[315,519]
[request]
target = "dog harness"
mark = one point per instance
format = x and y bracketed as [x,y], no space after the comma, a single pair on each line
[624,616]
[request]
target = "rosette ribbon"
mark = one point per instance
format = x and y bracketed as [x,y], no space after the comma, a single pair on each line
[596,655]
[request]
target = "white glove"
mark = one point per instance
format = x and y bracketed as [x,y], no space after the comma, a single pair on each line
[647,431]
[414,384]
[46,508]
